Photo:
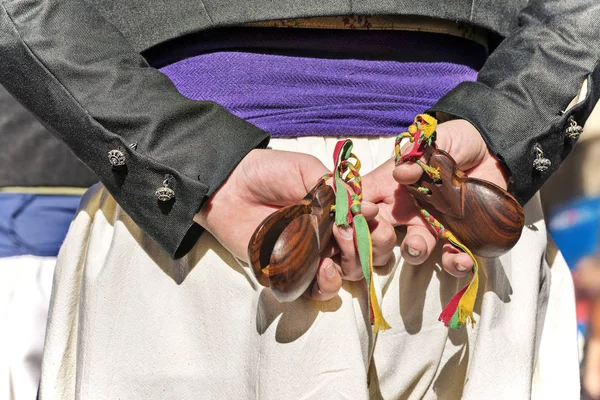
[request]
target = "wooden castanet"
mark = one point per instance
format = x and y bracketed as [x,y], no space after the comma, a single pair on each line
[483,216]
[284,249]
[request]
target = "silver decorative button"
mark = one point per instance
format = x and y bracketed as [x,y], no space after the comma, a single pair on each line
[164,193]
[116,157]
[574,130]
[541,163]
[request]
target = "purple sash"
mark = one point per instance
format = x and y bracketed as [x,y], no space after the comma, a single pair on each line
[301,96]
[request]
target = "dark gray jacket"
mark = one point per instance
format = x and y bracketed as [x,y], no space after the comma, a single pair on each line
[77,67]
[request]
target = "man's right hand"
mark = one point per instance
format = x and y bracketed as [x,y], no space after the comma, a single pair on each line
[265,181]
[385,186]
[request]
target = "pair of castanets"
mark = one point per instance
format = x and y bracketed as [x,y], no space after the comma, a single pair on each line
[284,249]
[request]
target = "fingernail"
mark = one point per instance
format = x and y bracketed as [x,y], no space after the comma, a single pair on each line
[330,271]
[413,252]
[347,233]
[461,268]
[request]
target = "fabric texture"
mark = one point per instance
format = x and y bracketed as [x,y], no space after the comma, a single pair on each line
[97,93]
[31,155]
[89,124]
[32,229]
[390,45]
[25,286]
[201,326]
[181,17]
[78,68]
[329,96]
[34,224]
[382,22]
[527,78]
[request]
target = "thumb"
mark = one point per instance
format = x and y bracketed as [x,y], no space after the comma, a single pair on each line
[459,138]
[311,170]
[408,172]
[463,142]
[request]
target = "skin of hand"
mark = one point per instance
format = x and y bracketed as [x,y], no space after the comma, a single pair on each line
[266,180]
[384,187]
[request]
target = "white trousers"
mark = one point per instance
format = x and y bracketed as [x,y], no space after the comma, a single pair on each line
[128,322]
[25,285]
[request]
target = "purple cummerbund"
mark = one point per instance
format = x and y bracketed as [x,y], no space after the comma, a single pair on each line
[290,95]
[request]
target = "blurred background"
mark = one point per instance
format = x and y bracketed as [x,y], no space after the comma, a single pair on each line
[41,182]
[40,187]
[571,201]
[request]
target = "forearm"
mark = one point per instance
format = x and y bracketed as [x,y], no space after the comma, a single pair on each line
[519,100]
[76,72]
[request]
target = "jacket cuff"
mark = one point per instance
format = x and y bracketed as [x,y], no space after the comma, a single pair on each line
[515,144]
[170,223]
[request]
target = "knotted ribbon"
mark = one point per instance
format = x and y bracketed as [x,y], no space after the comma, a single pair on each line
[422,133]
[348,213]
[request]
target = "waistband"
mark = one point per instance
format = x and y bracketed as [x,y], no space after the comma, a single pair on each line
[382,22]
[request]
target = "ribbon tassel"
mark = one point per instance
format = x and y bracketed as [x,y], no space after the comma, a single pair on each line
[348,213]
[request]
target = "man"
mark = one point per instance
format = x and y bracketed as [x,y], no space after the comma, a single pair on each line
[172,161]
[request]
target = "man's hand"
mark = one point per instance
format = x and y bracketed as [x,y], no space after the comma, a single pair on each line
[267,180]
[464,143]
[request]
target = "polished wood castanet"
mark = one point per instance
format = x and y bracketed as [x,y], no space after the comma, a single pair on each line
[484,217]
[284,249]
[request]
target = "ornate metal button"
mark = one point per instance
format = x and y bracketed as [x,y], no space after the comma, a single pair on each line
[164,193]
[574,130]
[116,157]
[541,163]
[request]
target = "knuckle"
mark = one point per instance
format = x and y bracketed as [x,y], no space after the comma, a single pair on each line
[347,259]
[384,236]
[354,274]
[391,239]
[381,260]
[322,295]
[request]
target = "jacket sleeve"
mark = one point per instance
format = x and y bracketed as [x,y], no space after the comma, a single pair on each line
[82,79]
[520,99]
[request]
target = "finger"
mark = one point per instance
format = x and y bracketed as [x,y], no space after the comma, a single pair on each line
[297,174]
[383,238]
[330,250]
[456,262]
[417,245]
[463,142]
[378,183]
[327,283]
[369,210]
[312,170]
[407,172]
[349,260]
[459,138]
